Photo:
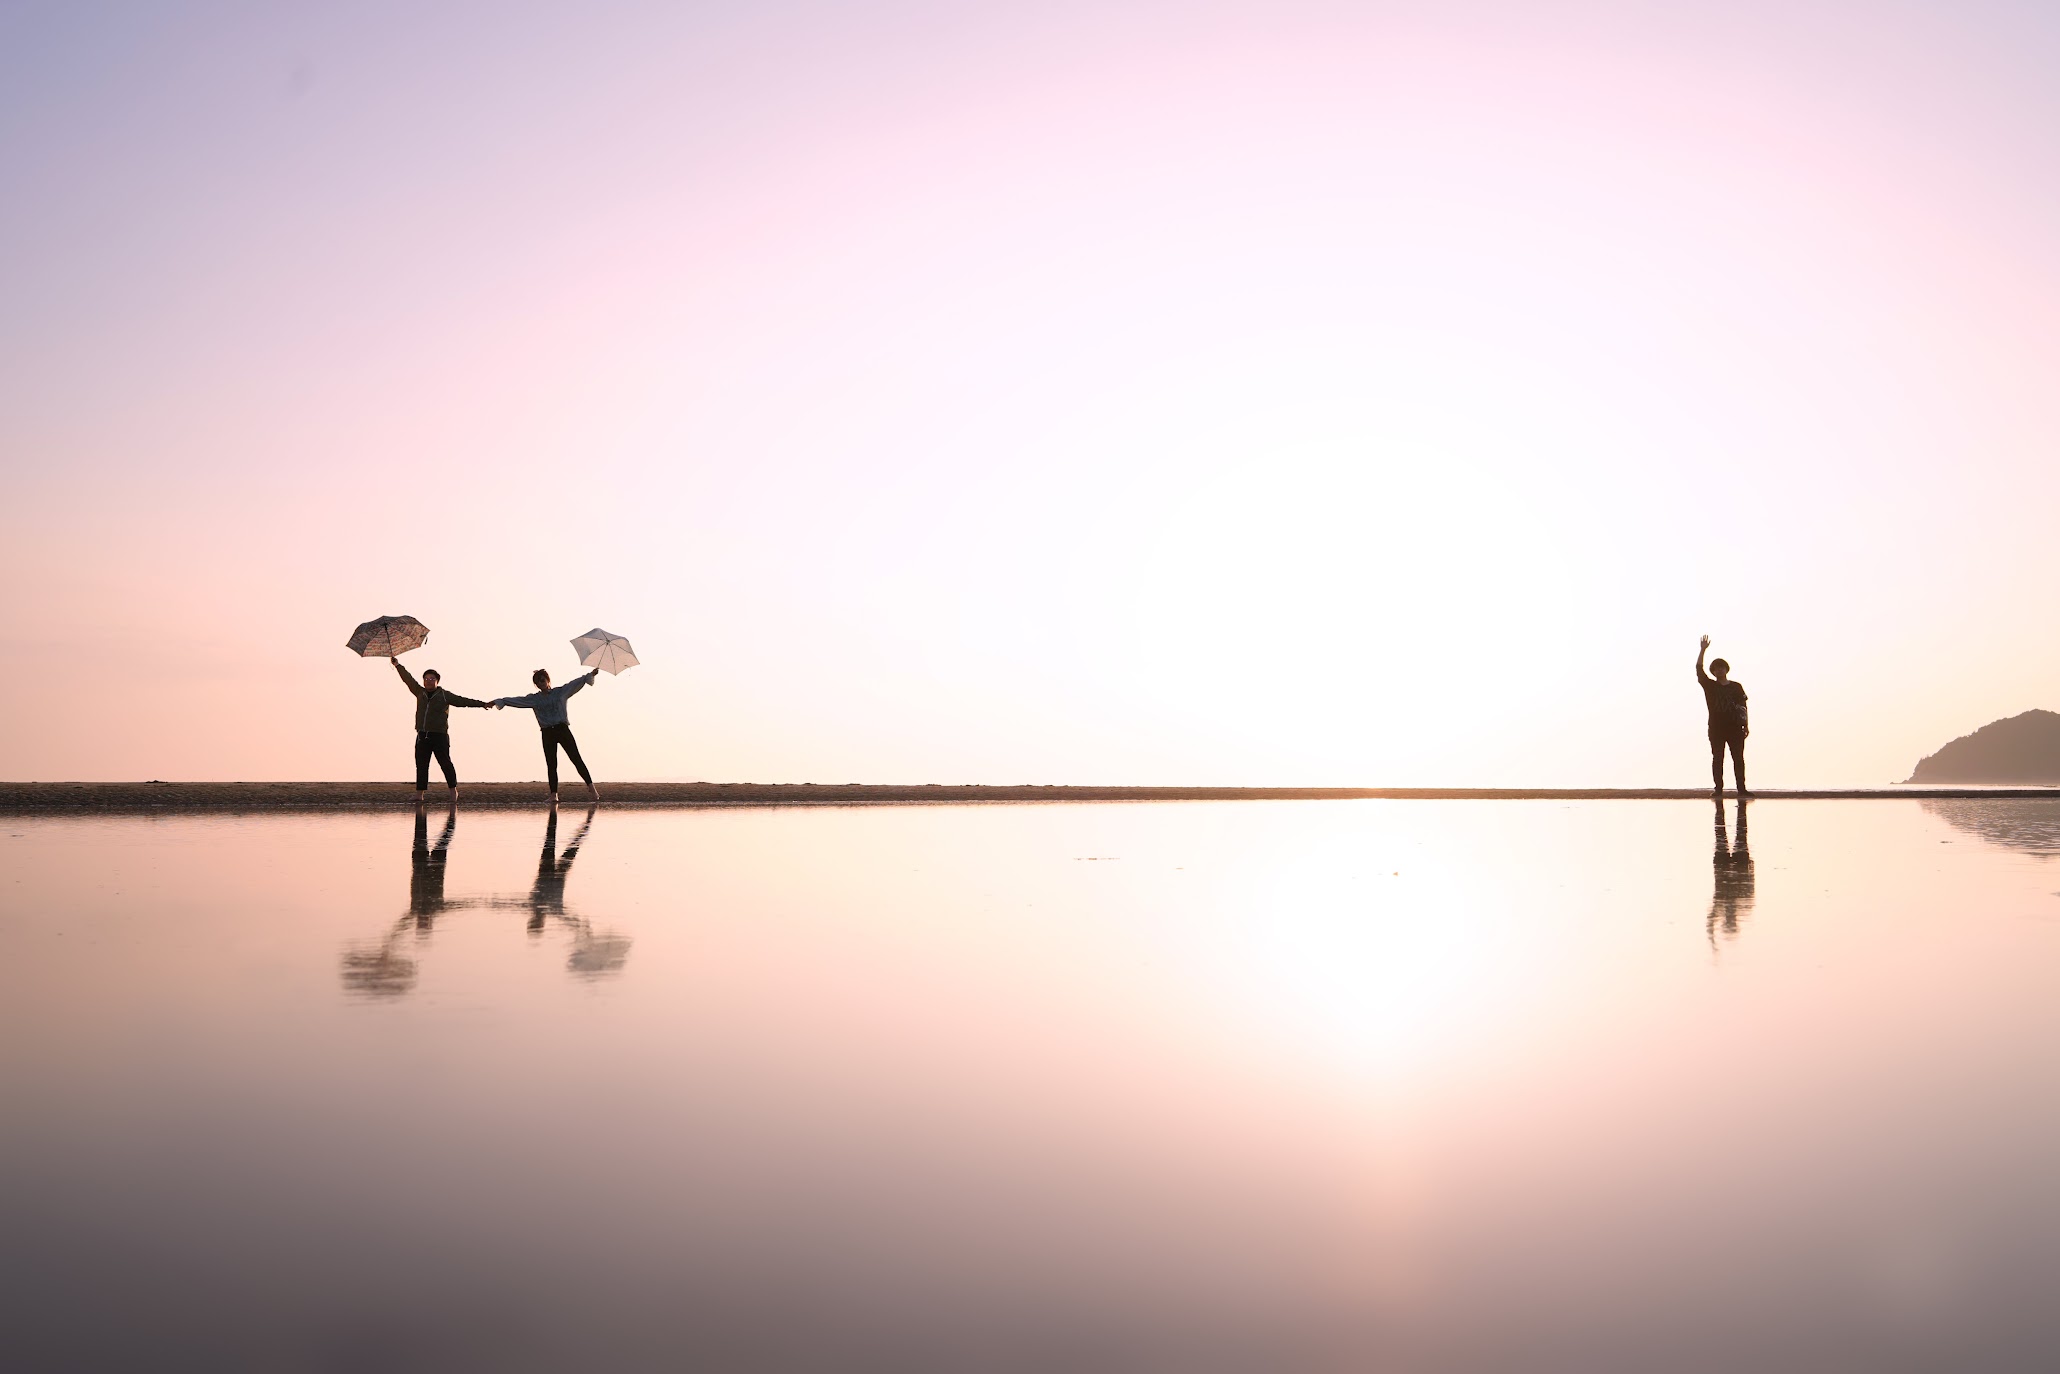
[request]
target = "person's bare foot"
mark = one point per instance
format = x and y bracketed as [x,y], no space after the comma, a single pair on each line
[593,792]
[421,797]
[454,794]
[554,799]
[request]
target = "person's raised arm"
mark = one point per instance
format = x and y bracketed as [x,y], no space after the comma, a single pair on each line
[573,686]
[406,676]
[1700,675]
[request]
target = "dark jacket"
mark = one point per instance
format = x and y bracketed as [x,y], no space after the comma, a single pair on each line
[432,704]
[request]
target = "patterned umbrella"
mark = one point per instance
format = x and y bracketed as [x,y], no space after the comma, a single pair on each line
[387,636]
[599,649]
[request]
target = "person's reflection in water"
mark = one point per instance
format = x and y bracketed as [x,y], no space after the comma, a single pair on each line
[593,952]
[382,970]
[1732,861]
[547,896]
[426,869]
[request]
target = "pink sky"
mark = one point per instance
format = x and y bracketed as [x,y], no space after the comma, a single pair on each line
[1239,393]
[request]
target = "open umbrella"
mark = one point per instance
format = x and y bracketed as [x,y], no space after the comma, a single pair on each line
[599,649]
[387,636]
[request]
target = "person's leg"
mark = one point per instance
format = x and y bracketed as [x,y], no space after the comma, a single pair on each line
[572,752]
[1716,764]
[1738,764]
[441,741]
[422,751]
[550,738]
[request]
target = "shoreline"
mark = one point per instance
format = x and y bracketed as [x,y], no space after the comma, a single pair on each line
[22,798]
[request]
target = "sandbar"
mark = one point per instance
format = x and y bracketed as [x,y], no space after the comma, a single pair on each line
[73,797]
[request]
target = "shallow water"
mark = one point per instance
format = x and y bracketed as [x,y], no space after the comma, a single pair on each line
[1242,1086]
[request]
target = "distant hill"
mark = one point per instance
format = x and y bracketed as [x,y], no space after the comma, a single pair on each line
[2022,749]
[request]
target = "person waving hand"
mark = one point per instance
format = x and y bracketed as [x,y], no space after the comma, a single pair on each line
[1728,724]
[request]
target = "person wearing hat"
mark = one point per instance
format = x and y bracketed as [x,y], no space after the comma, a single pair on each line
[1728,727]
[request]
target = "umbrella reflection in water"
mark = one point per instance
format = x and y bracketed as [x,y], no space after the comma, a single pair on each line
[386,970]
[593,952]
[382,970]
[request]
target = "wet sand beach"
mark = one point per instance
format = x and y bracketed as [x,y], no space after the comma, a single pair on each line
[26,797]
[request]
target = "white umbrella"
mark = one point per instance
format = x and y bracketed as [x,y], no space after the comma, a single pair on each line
[599,649]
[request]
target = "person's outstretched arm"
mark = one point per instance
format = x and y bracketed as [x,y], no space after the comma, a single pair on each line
[527,703]
[1700,676]
[406,676]
[457,700]
[573,686]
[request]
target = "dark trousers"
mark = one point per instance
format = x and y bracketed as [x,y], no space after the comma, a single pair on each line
[437,742]
[555,735]
[1737,747]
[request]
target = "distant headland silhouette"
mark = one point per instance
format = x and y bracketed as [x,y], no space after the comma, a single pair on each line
[2020,749]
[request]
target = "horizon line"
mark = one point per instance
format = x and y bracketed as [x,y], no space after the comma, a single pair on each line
[159,795]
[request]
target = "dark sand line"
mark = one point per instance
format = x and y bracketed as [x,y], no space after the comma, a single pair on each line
[70,797]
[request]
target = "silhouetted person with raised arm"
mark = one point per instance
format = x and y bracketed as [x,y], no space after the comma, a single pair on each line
[547,894]
[382,970]
[426,868]
[594,953]
[1728,726]
[555,725]
[432,726]
[1732,863]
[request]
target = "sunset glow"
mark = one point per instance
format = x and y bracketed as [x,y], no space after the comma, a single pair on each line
[1257,394]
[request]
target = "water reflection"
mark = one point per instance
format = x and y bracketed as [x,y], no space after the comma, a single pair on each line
[387,969]
[909,1089]
[592,952]
[547,895]
[2030,824]
[1731,860]
[383,970]
[426,868]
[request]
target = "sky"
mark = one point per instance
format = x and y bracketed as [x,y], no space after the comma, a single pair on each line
[1268,393]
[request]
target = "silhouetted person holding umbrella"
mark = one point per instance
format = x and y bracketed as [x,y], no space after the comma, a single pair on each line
[549,704]
[547,895]
[426,868]
[1728,726]
[383,970]
[433,726]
